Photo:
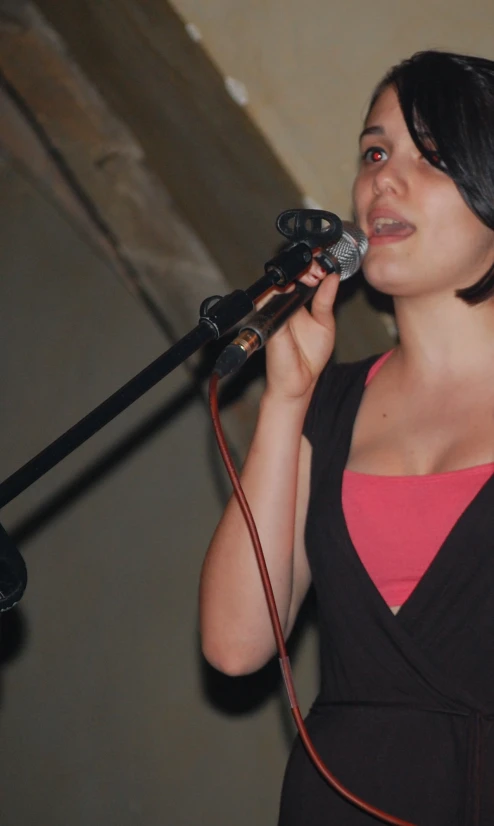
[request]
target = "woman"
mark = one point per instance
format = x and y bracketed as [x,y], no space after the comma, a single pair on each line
[374,481]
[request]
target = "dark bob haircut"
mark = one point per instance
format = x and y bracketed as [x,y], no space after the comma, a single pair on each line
[450,98]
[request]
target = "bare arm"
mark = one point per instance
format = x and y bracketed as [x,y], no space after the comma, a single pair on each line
[236,631]
[237,635]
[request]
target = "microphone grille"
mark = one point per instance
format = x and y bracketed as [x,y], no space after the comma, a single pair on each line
[350,249]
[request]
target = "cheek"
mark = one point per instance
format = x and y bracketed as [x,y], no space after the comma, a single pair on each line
[457,229]
[444,207]
[459,247]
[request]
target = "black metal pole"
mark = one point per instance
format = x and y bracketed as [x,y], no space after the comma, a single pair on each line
[103,414]
[217,315]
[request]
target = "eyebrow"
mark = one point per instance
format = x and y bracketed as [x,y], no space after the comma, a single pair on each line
[371,130]
[423,134]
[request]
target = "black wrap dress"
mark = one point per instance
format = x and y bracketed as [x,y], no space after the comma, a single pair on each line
[405,712]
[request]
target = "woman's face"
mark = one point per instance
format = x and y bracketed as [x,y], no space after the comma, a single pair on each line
[422,236]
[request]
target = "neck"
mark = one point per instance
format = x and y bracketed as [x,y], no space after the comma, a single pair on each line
[445,337]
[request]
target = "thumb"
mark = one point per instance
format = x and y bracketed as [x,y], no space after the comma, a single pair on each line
[323,301]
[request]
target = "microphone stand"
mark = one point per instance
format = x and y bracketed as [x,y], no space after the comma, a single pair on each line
[217,316]
[307,229]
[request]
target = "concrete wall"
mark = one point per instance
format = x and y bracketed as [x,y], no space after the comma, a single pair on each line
[108,715]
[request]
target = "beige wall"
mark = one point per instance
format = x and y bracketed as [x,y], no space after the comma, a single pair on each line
[309,68]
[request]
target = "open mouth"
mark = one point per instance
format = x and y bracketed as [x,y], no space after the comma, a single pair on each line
[390,228]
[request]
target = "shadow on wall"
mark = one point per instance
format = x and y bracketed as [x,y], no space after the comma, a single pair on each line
[13,638]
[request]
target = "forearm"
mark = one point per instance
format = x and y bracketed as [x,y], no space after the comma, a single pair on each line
[235,626]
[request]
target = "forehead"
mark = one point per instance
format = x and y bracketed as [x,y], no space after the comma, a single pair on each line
[385,115]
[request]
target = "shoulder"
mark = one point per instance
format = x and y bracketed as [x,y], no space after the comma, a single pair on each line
[335,382]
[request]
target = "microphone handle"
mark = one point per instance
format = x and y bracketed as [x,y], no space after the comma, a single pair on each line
[272,316]
[261,326]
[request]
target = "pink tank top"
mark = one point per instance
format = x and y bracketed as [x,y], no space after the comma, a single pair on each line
[398,523]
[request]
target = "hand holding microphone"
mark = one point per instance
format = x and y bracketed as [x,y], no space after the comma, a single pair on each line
[296,356]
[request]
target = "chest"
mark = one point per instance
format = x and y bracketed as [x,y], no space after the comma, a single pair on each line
[415,433]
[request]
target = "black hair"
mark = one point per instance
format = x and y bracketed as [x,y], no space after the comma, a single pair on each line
[450,98]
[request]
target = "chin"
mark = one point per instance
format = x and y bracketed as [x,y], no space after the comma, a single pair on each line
[388,280]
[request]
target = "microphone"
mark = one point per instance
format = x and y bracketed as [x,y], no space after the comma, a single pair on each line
[344,257]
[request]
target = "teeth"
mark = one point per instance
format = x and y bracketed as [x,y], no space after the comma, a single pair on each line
[379,223]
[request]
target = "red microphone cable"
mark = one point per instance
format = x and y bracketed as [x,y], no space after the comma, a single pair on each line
[275,620]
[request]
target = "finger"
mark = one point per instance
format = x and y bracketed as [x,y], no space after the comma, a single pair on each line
[313,275]
[323,301]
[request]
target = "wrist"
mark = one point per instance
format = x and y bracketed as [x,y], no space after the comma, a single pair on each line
[295,406]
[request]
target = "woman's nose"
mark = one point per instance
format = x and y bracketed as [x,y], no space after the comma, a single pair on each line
[390,176]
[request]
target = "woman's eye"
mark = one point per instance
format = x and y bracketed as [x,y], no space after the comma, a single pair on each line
[436,160]
[432,156]
[374,154]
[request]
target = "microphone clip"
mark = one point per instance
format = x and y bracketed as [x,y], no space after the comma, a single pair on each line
[316,227]
[307,229]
